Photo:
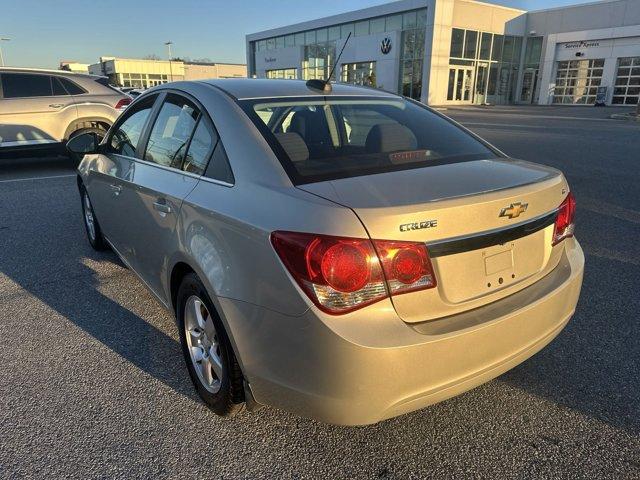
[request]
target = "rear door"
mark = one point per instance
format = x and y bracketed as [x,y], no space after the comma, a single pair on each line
[113,172]
[174,156]
[35,109]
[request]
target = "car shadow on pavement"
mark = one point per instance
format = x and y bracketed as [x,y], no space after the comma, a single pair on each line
[79,299]
[593,366]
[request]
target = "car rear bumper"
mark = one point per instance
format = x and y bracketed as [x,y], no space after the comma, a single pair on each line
[367,366]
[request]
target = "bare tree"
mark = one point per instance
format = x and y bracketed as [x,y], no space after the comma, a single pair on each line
[151,56]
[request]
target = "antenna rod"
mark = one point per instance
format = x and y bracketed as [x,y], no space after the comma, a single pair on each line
[337,59]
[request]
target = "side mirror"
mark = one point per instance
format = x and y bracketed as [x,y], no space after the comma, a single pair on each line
[83,144]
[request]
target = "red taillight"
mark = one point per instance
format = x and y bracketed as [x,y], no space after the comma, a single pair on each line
[123,102]
[564,225]
[407,266]
[341,274]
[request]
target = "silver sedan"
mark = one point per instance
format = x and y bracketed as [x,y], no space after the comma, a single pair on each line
[342,253]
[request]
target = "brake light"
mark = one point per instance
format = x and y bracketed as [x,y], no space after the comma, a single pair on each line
[122,103]
[341,274]
[407,266]
[564,225]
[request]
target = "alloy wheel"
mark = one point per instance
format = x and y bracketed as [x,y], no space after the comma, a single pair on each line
[203,343]
[89,219]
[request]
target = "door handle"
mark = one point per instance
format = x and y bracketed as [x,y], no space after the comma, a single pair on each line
[161,206]
[116,189]
[56,105]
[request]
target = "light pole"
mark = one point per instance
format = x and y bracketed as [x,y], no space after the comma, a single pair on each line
[168,44]
[2,39]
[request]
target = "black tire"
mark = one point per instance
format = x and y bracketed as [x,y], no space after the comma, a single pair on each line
[228,400]
[95,237]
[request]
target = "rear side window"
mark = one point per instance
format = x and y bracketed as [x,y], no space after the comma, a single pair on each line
[58,89]
[71,87]
[219,168]
[24,85]
[200,149]
[171,132]
[126,136]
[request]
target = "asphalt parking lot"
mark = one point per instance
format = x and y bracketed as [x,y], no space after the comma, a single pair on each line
[92,381]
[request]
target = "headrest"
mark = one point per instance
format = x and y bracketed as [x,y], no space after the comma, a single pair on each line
[390,137]
[300,121]
[294,145]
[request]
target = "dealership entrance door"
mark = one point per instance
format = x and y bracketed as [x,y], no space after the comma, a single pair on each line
[460,84]
[529,83]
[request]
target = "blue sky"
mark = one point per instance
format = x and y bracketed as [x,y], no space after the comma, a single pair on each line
[43,32]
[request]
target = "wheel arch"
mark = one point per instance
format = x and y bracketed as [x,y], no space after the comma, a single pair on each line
[88,122]
[183,267]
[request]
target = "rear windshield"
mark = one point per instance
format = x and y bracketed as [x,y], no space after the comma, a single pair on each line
[327,139]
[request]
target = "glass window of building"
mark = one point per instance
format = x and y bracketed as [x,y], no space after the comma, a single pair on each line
[271,43]
[289,41]
[412,56]
[627,87]
[318,60]
[334,32]
[577,81]
[262,45]
[346,29]
[283,73]
[533,51]
[422,17]
[481,68]
[321,35]
[457,43]
[362,28]
[496,49]
[409,20]
[470,44]
[310,37]
[377,25]
[362,73]
[299,38]
[393,23]
[279,42]
[485,46]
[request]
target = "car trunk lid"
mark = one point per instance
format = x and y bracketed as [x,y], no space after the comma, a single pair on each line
[487,224]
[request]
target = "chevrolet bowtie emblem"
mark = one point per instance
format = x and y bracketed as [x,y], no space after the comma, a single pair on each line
[514,210]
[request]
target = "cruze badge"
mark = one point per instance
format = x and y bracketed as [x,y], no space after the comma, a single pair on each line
[407,227]
[514,210]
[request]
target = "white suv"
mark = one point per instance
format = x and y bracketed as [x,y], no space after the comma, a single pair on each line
[42,108]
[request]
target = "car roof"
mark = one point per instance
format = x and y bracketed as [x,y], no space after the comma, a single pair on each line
[49,72]
[253,88]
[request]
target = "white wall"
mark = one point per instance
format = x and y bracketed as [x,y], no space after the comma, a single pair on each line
[612,43]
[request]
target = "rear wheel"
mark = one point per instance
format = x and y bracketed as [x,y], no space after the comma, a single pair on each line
[212,365]
[91,225]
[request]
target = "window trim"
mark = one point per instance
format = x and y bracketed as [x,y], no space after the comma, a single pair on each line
[161,94]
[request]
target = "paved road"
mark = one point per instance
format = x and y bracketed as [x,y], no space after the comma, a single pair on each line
[92,383]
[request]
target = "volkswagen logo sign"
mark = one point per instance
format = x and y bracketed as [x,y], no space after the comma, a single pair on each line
[385,46]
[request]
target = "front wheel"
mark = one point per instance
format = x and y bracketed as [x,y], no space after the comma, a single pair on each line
[91,225]
[212,365]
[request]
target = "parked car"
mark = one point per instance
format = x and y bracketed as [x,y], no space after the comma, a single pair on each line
[348,256]
[41,108]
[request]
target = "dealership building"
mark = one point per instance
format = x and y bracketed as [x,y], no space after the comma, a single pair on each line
[466,52]
[145,73]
